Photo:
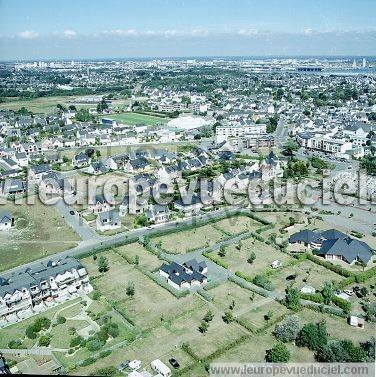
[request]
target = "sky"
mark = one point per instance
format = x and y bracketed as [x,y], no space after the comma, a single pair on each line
[55,29]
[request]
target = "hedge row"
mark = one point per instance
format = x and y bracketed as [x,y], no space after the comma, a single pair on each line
[215,259]
[206,295]
[245,284]
[330,266]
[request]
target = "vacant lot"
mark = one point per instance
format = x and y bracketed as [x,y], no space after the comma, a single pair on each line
[238,224]
[39,231]
[265,254]
[146,259]
[305,273]
[229,293]
[255,347]
[185,241]
[134,118]
[150,304]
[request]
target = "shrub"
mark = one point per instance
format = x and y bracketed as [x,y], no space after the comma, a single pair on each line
[288,330]
[313,336]
[278,354]
[44,340]
[61,320]
[263,282]
[30,333]
[341,303]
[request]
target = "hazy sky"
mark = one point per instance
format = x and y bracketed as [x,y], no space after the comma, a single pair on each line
[33,29]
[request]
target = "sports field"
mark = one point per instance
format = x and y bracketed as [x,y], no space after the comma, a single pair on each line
[135,118]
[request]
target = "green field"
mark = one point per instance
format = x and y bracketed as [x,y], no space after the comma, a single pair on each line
[48,104]
[134,118]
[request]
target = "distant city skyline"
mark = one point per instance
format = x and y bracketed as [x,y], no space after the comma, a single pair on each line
[41,29]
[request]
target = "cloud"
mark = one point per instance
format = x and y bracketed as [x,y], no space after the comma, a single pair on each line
[121,32]
[28,34]
[248,32]
[69,33]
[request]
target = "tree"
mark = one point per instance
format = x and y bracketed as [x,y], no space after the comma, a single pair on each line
[228,317]
[83,115]
[203,328]
[102,264]
[60,320]
[268,316]
[313,336]
[251,257]
[102,106]
[290,147]
[327,293]
[208,316]
[341,351]
[136,260]
[369,348]
[222,251]
[44,340]
[30,333]
[141,220]
[130,291]
[278,354]
[288,330]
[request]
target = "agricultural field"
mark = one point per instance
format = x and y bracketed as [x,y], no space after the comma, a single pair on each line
[135,118]
[188,240]
[39,231]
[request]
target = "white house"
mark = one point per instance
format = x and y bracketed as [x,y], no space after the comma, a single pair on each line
[6,221]
[109,220]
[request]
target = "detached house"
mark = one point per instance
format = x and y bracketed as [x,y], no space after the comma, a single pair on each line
[334,245]
[109,220]
[80,160]
[6,221]
[99,204]
[186,275]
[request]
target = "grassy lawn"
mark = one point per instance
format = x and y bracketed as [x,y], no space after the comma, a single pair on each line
[39,231]
[185,241]
[307,273]
[238,224]
[134,118]
[256,315]
[60,333]
[228,292]
[265,255]
[253,350]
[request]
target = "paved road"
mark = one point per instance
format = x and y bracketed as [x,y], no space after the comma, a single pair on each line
[76,222]
[96,243]
[281,132]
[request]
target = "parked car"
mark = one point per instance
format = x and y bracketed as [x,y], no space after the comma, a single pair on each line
[71,212]
[174,363]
